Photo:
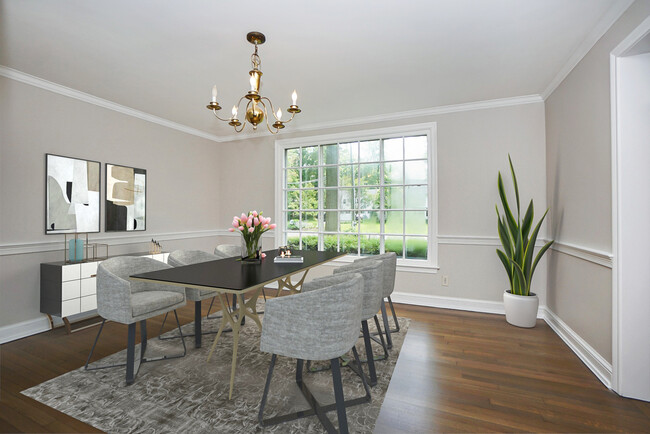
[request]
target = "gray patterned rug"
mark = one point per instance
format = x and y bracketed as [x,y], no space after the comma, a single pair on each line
[190,395]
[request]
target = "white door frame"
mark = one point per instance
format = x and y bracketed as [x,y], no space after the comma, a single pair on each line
[632,39]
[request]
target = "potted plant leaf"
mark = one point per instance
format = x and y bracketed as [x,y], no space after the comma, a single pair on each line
[518,239]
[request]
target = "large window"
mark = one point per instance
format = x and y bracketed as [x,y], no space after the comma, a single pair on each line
[364,194]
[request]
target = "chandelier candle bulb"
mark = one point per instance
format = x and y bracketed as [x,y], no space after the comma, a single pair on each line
[214,93]
[294,97]
[279,114]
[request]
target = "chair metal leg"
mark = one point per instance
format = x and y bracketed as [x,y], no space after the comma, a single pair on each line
[94,368]
[133,365]
[386,326]
[392,308]
[197,326]
[315,407]
[338,396]
[260,415]
[369,356]
[130,354]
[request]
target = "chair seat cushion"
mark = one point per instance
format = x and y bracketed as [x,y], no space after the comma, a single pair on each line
[151,301]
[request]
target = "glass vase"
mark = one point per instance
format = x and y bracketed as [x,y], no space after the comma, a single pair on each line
[251,251]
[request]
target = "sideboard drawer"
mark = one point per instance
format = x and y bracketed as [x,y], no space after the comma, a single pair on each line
[88,303]
[70,307]
[88,286]
[89,269]
[70,272]
[71,289]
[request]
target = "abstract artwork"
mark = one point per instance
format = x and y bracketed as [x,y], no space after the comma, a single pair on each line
[126,189]
[72,195]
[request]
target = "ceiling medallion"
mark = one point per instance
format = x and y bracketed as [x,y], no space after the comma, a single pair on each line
[256,108]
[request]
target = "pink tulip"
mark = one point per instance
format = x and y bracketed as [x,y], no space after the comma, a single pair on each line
[272,226]
[268,220]
[265,226]
[256,221]
[235,218]
[254,213]
[249,223]
[231,229]
[251,230]
[241,228]
[263,255]
[235,223]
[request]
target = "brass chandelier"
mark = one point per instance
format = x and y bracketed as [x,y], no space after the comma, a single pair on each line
[256,108]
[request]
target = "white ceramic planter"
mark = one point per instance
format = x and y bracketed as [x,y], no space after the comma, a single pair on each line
[521,310]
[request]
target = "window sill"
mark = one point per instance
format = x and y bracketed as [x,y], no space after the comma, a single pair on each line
[425,268]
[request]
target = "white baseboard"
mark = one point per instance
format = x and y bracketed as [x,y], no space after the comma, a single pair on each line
[23,329]
[601,368]
[471,305]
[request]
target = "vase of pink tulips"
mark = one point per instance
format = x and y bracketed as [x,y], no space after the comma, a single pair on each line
[251,227]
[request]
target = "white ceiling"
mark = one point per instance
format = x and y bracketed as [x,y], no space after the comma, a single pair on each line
[347,59]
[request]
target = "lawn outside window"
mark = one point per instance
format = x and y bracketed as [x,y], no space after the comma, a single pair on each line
[362,193]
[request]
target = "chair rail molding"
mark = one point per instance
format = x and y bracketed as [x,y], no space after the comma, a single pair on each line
[112,240]
[588,254]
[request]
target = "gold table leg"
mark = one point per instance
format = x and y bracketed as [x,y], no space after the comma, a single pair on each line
[245,309]
[293,288]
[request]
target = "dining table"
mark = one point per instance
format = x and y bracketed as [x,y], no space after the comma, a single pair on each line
[240,278]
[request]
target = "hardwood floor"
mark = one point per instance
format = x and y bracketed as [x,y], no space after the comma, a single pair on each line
[458,371]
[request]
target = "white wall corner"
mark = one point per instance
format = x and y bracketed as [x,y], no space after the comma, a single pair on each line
[601,368]
[23,329]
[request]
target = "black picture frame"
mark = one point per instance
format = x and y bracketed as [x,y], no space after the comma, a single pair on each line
[72,195]
[125,198]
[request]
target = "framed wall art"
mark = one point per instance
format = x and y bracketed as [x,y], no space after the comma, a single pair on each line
[126,193]
[72,188]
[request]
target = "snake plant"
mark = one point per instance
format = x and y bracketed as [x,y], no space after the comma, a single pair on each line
[517,240]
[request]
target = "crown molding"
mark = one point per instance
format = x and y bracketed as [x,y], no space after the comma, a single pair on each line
[22,77]
[410,114]
[607,21]
[432,111]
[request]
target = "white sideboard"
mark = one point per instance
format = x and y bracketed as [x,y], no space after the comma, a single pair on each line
[70,288]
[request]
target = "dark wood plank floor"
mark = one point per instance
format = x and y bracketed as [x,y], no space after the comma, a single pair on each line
[458,371]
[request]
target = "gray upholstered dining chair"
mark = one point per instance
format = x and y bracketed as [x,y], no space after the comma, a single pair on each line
[390,268]
[320,323]
[230,250]
[128,301]
[372,273]
[179,258]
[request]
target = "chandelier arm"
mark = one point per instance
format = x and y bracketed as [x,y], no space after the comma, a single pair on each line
[217,116]
[243,125]
[290,119]
[266,117]
[272,108]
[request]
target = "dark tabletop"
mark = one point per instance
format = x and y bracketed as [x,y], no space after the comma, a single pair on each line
[232,274]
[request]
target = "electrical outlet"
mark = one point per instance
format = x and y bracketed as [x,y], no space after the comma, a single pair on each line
[445,280]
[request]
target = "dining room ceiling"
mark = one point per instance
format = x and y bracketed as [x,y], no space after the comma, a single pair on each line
[347,59]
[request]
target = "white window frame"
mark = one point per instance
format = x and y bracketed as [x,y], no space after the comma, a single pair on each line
[430,265]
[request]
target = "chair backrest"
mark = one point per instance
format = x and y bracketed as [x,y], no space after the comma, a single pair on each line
[390,267]
[178,258]
[372,272]
[230,250]
[125,266]
[320,323]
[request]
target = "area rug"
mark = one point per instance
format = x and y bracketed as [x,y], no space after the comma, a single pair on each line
[190,395]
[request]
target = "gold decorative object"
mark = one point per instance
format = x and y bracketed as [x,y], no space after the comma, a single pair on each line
[256,110]
[154,247]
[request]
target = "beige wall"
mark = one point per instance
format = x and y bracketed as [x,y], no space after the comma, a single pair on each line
[578,154]
[182,181]
[472,147]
